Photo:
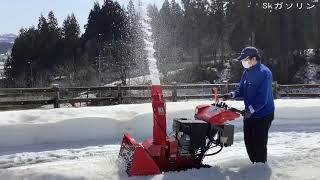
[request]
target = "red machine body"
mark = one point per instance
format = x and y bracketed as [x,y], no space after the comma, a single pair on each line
[215,115]
[162,153]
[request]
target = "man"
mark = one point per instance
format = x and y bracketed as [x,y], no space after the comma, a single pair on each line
[256,91]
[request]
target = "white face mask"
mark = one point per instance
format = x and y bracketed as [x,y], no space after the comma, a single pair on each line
[245,64]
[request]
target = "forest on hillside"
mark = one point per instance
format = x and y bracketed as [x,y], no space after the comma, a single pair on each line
[112,42]
[217,31]
[203,33]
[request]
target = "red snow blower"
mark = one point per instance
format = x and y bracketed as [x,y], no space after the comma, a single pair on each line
[187,147]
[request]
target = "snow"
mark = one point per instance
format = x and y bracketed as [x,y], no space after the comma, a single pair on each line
[146,27]
[310,52]
[226,73]
[143,80]
[83,143]
[9,38]
[1,67]
[1,73]
[2,63]
[140,80]
[308,74]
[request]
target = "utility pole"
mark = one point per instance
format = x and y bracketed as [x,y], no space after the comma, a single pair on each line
[31,73]
[99,69]
[99,59]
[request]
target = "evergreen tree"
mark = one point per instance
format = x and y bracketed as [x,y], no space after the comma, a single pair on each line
[70,36]
[52,22]
[176,24]
[241,34]
[197,31]
[217,27]
[108,26]
[53,44]
[22,57]
[71,28]
[42,24]
[195,23]
[93,21]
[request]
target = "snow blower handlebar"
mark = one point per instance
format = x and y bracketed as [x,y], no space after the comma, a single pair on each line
[222,104]
[236,110]
[225,106]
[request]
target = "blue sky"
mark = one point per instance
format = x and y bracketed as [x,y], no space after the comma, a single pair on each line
[15,14]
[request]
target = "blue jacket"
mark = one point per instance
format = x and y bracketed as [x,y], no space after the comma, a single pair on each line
[256,90]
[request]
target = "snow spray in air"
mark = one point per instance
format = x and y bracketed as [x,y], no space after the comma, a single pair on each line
[145,21]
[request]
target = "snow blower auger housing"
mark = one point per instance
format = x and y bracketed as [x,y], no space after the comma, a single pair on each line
[188,145]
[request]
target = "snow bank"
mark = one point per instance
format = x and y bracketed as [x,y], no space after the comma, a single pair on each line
[108,124]
[83,143]
[65,125]
[308,74]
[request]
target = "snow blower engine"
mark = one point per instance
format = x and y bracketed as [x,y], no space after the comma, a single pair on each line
[187,147]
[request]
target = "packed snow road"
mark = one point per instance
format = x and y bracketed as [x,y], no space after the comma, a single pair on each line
[84,143]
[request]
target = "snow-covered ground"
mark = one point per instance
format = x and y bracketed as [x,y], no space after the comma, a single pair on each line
[83,143]
[1,74]
[9,38]
[2,62]
[1,66]
[308,74]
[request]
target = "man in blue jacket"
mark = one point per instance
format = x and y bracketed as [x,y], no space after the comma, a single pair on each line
[256,91]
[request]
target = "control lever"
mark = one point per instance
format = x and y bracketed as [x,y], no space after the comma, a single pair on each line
[236,110]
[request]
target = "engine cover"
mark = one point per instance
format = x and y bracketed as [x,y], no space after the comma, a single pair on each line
[191,134]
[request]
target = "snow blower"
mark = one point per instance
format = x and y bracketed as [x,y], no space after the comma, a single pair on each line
[189,144]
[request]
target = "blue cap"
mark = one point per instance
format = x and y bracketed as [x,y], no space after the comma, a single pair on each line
[249,52]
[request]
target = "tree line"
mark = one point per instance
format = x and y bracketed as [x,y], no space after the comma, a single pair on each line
[205,30]
[198,31]
[112,42]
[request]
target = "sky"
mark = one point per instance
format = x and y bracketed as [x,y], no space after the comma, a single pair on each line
[15,14]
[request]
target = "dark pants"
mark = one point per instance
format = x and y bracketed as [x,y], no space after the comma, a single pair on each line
[256,137]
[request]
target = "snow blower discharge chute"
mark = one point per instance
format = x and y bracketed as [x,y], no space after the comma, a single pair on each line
[188,145]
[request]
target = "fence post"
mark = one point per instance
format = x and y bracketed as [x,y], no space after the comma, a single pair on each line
[119,94]
[174,92]
[278,90]
[275,88]
[227,90]
[56,98]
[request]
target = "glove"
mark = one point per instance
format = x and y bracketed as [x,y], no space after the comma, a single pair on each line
[246,113]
